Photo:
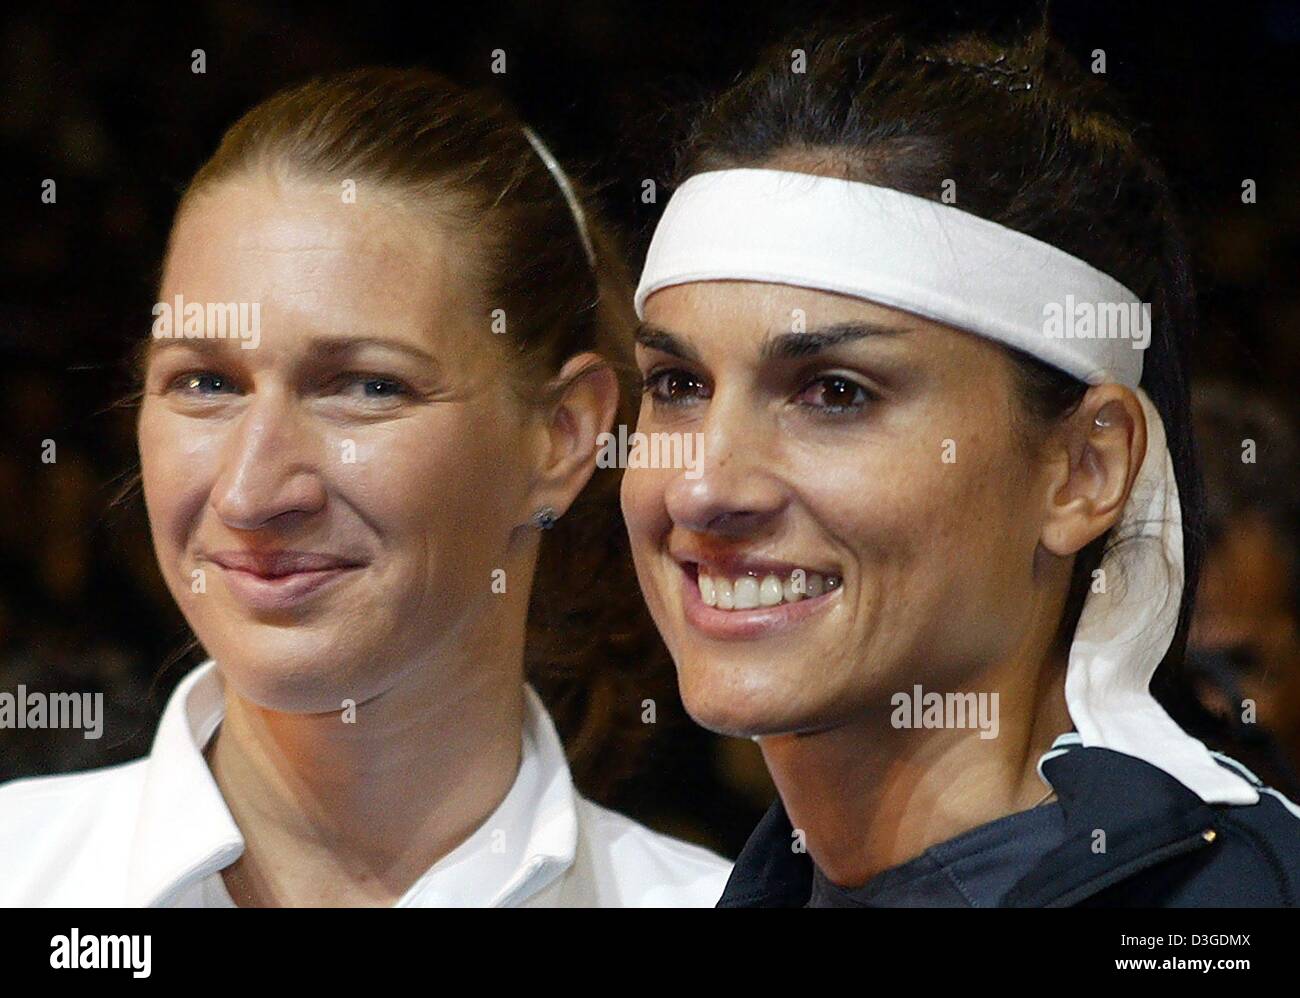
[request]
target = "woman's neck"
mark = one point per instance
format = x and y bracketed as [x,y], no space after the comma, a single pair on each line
[338,813]
[869,795]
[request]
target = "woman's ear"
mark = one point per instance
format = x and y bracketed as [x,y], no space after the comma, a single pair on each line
[584,408]
[1101,449]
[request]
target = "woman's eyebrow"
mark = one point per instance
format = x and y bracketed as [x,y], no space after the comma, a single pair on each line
[781,347]
[158,344]
[327,345]
[654,338]
[350,344]
[792,345]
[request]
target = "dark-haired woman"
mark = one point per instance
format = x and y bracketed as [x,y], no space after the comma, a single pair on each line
[347,492]
[926,305]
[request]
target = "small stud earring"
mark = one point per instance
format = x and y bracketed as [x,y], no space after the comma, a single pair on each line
[544,518]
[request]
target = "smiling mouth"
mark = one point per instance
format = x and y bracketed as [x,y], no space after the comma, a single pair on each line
[269,565]
[752,589]
[280,580]
[738,600]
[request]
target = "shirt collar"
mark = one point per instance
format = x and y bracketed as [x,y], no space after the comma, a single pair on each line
[528,841]
[185,831]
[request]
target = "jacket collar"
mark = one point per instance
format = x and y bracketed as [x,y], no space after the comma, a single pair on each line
[184,830]
[1122,815]
[1144,813]
[769,873]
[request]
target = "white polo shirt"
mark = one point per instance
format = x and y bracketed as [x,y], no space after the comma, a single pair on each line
[156,832]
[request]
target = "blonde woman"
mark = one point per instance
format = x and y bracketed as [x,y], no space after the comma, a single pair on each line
[348,501]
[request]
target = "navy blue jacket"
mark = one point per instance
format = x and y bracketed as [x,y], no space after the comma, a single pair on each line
[1164,847]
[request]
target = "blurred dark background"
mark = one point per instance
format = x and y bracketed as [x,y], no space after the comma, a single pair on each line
[103,100]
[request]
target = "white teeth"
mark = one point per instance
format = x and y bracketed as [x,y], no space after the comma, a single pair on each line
[746,592]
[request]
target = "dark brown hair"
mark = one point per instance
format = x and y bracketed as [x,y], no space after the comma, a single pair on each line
[463,154]
[1032,142]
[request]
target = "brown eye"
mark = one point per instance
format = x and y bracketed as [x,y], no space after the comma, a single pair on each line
[835,394]
[674,387]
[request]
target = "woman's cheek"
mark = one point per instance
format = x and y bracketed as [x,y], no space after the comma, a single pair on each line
[645,514]
[177,463]
[893,492]
[441,493]
[641,497]
[364,469]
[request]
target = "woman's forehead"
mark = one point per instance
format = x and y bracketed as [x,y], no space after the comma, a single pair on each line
[310,260]
[764,314]
[312,229]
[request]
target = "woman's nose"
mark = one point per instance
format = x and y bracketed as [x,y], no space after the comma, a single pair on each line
[270,467]
[738,489]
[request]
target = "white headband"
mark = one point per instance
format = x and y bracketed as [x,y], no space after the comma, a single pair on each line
[933,260]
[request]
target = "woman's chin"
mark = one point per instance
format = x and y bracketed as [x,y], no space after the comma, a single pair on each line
[741,704]
[294,676]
